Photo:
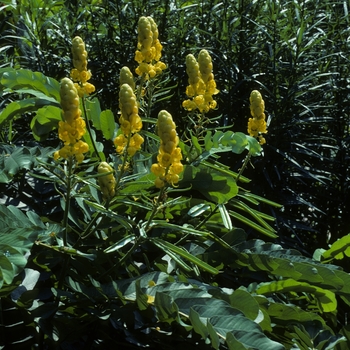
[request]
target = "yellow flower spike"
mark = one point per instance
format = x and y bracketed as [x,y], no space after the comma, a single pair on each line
[129,110]
[72,128]
[126,77]
[201,83]
[192,70]
[257,124]
[205,65]
[79,54]
[169,166]
[129,121]
[79,73]
[107,182]
[149,49]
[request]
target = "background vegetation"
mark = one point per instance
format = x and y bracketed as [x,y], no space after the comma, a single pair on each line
[296,53]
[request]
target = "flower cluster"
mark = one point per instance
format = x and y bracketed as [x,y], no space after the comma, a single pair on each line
[126,77]
[107,182]
[130,122]
[257,124]
[149,49]
[72,128]
[79,73]
[201,81]
[169,164]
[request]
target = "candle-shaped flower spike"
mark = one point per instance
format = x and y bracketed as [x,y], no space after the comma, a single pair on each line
[149,49]
[169,157]
[257,124]
[201,81]
[130,122]
[80,74]
[107,182]
[72,128]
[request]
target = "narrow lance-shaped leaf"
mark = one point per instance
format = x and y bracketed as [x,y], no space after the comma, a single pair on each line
[166,246]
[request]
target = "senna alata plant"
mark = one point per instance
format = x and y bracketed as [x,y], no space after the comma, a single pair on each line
[151,225]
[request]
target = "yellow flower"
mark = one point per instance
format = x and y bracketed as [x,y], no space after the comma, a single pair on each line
[126,77]
[257,124]
[79,73]
[72,128]
[130,122]
[169,157]
[106,182]
[201,81]
[149,49]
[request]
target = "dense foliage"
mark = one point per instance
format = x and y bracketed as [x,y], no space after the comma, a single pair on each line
[230,244]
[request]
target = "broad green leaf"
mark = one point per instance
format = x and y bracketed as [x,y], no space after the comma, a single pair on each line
[258,256]
[141,297]
[326,299]
[215,341]
[239,142]
[108,125]
[22,106]
[208,143]
[45,120]
[198,326]
[233,343]
[14,159]
[93,110]
[243,301]
[26,79]
[18,233]
[211,183]
[339,249]
[167,311]
[245,331]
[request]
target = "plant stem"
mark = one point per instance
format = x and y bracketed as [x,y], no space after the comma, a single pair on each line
[89,129]
[155,208]
[67,201]
[245,163]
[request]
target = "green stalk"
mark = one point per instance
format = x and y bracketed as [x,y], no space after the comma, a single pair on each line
[246,161]
[67,200]
[155,208]
[89,128]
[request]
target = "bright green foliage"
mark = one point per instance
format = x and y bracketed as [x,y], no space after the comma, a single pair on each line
[18,234]
[183,266]
[339,249]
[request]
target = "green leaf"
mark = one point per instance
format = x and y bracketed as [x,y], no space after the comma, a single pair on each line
[326,299]
[45,120]
[211,183]
[167,310]
[141,297]
[14,159]
[23,106]
[245,331]
[252,224]
[26,79]
[225,216]
[108,124]
[215,341]
[167,246]
[339,249]
[233,343]
[18,233]
[120,244]
[197,324]
[93,110]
